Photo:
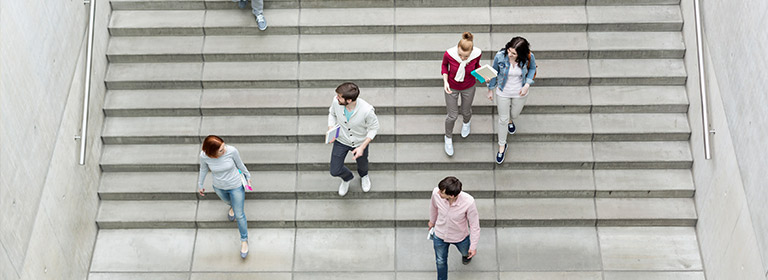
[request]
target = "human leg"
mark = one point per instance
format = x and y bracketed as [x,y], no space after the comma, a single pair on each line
[517,107]
[467,96]
[463,247]
[441,257]
[502,105]
[452,110]
[338,169]
[258,7]
[238,205]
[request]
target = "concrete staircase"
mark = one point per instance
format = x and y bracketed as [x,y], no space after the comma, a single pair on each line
[596,185]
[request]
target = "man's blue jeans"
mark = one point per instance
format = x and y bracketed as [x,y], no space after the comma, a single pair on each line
[236,198]
[441,254]
[257,5]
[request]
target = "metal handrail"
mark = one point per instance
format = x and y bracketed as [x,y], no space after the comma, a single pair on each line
[87,91]
[702,83]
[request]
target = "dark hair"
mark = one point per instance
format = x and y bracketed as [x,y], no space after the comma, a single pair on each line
[522,48]
[211,145]
[450,185]
[348,91]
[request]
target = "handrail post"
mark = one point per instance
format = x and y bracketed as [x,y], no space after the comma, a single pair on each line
[87,91]
[702,82]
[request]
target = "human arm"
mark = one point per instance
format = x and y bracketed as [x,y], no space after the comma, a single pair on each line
[444,71]
[529,76]
[432,211]
[493,82]
[531,70]
[473,219]
[446,86]
[201,176]
[372,124]
[332,120]
[240,165]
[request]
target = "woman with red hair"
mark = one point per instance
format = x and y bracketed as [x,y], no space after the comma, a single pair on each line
[226,166]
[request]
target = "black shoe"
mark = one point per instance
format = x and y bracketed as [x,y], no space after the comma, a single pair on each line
[500,156]
[465,260]
[511,128]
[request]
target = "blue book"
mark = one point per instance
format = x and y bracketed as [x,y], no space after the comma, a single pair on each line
[332,134]
[484,73]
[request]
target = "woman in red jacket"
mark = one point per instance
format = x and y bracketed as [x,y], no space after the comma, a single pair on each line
[457,64]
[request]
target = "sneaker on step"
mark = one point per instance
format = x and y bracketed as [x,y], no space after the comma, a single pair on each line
[365,182]
[261,21]
[448,146]
[500,156]
[465,130]
[344,187]
[511,128]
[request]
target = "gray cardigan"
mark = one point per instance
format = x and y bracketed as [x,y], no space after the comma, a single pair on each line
[363,122]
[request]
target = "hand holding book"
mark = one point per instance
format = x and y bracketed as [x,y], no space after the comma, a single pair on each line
[332,134]
[484,73]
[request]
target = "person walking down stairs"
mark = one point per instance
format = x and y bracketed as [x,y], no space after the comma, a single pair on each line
[453,219]
[516,66]
[357,126]
[258,11]
[458,62]
[224,162]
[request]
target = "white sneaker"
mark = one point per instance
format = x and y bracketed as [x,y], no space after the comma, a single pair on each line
[344,187]
[448,146]
[366,183]
[465,130]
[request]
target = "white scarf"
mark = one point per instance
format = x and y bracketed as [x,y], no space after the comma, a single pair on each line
[454,53]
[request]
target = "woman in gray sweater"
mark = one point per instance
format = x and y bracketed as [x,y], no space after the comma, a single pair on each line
[225,164]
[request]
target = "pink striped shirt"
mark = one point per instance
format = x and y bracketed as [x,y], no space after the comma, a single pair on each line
[454,222]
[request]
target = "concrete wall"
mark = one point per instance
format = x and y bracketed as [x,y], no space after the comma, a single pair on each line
[48,201]
[730,198]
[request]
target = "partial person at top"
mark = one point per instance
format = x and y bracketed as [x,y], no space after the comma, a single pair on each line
[258,11]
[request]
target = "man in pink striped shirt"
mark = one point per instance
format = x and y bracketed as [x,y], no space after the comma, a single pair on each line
[454,216]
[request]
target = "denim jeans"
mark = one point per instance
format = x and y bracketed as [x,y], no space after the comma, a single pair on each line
[441,254]
[236,198]
[337,162]
[257,5]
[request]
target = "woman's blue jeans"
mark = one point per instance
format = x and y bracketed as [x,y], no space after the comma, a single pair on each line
[441,254]
[236,198]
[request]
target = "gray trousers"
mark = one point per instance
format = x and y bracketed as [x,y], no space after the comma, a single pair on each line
[508,107]
[452,107]
[256,5]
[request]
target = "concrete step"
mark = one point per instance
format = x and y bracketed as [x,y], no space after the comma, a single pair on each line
[396,128]
[282,4]
[367,20]
[429,46]
[366,213]
[314,74]
[561,183]
[414,156]
[634,18]
[398,253]
[400,100]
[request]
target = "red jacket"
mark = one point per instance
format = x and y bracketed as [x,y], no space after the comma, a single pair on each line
[450,66]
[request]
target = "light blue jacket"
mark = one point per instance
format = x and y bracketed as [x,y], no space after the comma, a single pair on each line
[501,64]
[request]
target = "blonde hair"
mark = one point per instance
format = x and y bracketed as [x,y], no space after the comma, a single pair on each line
[466,44]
